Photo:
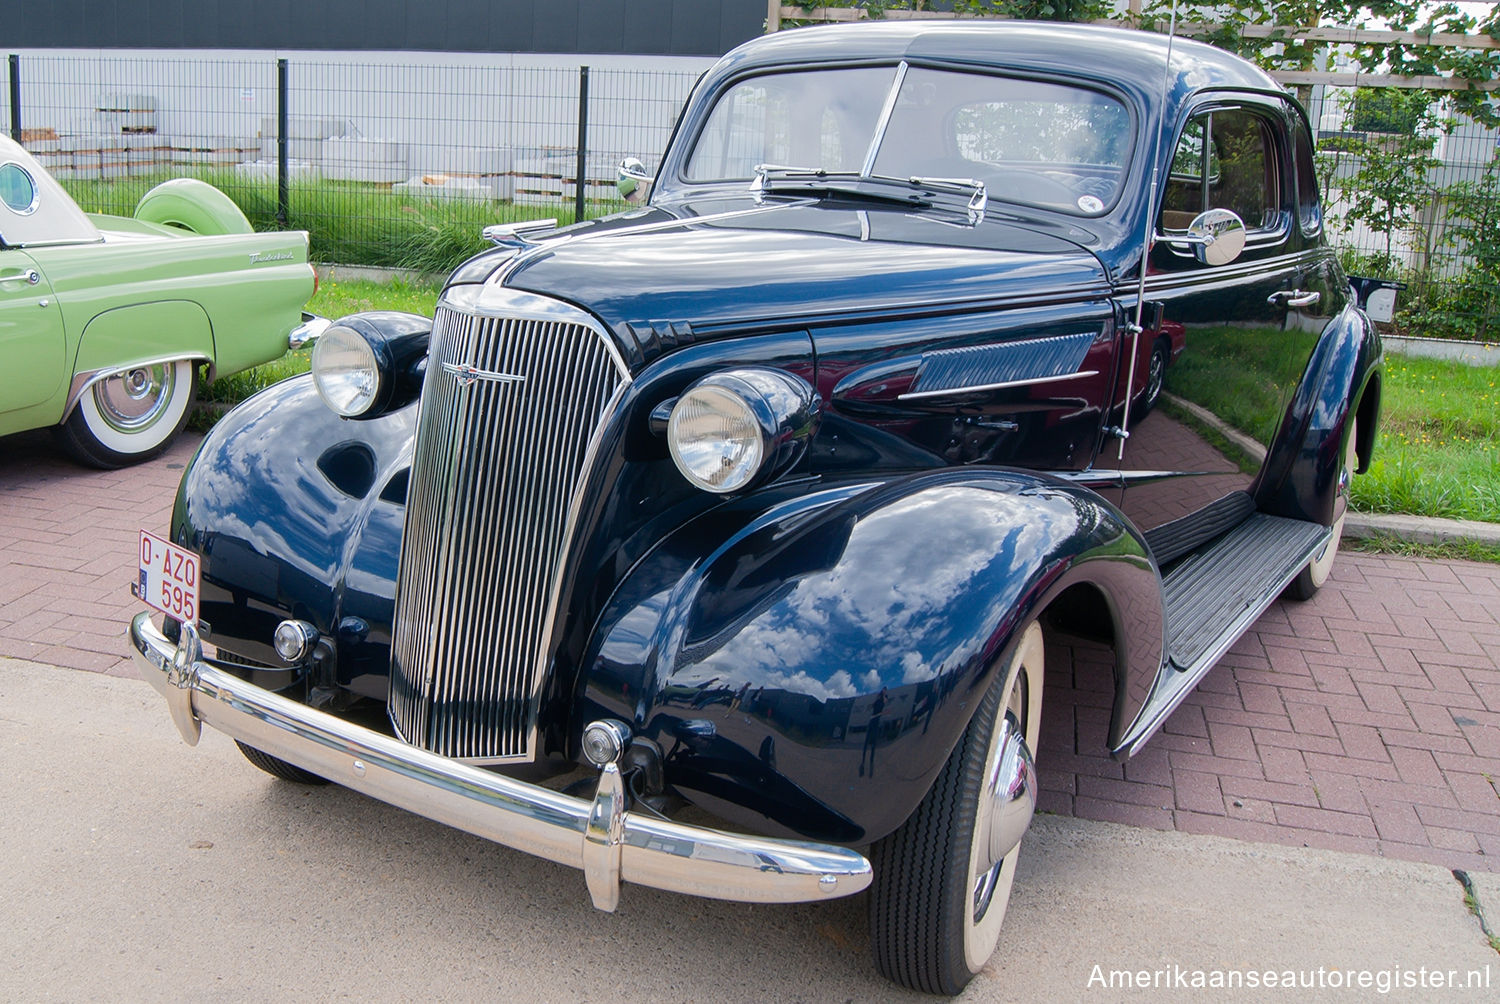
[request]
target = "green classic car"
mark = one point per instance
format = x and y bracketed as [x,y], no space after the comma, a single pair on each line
[105,321]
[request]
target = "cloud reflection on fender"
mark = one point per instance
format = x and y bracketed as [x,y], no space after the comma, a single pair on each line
[916,590]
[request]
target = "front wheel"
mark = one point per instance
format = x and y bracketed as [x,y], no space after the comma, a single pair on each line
[132,415]
[277,767]
[940,887]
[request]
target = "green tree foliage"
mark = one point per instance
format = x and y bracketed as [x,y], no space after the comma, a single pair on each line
[1469,306]
[1386,109]
[1030,10]
[1280,51]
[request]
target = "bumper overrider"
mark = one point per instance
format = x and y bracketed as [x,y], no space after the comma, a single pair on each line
[610,844]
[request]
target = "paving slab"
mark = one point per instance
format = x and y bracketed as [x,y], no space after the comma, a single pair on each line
[1367,719]
[138,868]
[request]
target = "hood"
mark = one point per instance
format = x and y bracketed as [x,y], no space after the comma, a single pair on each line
[737,266]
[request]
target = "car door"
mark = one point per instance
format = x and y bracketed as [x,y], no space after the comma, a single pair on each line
[1234,337]
[32,344]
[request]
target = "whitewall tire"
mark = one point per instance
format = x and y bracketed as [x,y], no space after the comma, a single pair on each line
[938,897]
[131,415]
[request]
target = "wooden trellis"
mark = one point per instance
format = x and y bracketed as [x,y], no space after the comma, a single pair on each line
[776,12]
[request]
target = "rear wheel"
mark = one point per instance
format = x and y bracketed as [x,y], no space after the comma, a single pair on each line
[277,767]
[1311,578]
[131,415]
[939,893]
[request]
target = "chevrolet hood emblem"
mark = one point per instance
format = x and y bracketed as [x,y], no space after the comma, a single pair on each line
[466,374]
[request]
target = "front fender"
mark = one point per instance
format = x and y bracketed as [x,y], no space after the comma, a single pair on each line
[1300,476]
[806,663]
[294,509]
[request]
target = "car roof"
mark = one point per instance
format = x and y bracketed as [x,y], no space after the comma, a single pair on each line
[56,218]
[1132,60]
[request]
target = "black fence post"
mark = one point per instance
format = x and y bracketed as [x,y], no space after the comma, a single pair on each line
[583,142]
[282,199]
[15,97]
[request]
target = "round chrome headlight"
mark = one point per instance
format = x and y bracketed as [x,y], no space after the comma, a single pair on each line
[715,439]
[732,427]
[346,371]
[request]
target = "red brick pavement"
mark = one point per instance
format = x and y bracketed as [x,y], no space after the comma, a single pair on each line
[68,539]
[1367,719]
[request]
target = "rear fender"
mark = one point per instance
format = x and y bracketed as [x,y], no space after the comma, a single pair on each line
[1300,475]
[166,329]
[761,644]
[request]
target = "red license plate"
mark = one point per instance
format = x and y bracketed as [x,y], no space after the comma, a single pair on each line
[168,578]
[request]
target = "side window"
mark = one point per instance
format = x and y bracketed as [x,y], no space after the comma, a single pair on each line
[1225,159]
[17,190]
[1309,208]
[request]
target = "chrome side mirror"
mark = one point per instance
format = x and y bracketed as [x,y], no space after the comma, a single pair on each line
[633,181]
[1217,236]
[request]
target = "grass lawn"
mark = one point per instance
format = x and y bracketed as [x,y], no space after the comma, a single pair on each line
[1437,452]
[1439,448]
[333,300]
[349,222]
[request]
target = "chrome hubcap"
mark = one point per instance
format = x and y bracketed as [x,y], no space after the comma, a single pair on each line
[1154,379]
[1009,795]
[134,399]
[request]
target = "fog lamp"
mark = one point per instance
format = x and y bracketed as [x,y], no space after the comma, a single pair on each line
[604,741]
[294,640]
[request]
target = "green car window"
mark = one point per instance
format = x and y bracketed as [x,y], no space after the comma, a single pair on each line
[17,190]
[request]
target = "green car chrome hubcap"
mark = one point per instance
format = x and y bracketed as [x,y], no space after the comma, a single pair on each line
[134,399]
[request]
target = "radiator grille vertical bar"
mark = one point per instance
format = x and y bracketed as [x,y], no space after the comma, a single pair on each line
[499,459]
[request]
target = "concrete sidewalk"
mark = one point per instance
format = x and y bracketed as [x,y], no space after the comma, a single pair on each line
[138,868]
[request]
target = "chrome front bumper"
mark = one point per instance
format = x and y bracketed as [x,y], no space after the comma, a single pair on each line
[610,844]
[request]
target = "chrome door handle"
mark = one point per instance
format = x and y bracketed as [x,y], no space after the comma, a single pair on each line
[1294,297]
[31,277]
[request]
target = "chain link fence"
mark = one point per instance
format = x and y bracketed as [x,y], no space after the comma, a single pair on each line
[383,163]
[401,162]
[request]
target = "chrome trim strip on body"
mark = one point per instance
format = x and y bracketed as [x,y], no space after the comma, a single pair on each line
[695,860]
[84,379]
[884,121]
[1209,275]
[951,391]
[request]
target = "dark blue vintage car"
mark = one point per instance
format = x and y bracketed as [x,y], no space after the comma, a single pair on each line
[926,346]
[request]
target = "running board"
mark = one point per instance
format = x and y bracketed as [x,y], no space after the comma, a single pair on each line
[1214,596]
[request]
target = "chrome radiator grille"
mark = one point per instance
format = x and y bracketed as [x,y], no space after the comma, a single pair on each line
[514,394]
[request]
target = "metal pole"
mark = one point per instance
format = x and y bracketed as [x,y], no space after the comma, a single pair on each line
[583,142]
[282,199]
[15,97]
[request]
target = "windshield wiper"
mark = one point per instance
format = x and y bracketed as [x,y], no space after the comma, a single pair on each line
[775,177]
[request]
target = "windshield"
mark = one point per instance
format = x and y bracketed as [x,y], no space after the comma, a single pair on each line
[1031,142]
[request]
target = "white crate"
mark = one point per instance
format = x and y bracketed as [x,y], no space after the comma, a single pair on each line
[375,160]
